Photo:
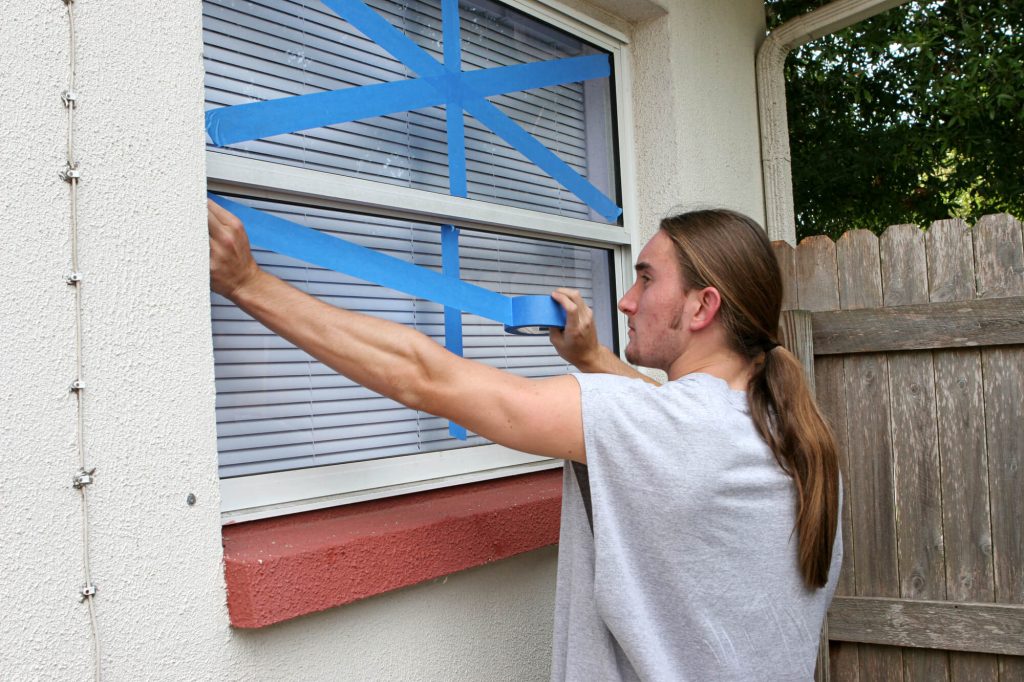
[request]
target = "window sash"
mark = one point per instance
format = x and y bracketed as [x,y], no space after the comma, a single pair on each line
[259,496]
[278,408]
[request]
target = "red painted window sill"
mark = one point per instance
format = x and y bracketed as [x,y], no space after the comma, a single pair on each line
[289,566]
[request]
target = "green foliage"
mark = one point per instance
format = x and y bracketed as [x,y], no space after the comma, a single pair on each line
[913,115]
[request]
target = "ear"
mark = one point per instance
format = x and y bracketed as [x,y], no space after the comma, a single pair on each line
[708,301]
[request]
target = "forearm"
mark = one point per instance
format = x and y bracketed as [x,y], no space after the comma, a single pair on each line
[541,417]
[386,357]
[604,361]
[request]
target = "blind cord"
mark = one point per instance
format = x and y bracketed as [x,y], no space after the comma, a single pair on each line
[84,478]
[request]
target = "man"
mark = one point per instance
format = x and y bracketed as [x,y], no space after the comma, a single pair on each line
[713,549]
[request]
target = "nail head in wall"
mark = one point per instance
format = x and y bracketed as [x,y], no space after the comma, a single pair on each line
[191,499]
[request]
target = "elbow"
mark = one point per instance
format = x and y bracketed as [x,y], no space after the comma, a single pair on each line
[415,384]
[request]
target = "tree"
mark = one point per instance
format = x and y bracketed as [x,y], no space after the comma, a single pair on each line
[913,115]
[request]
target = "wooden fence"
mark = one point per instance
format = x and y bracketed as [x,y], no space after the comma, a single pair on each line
[918,347]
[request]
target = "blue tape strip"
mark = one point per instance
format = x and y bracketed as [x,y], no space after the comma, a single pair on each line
[453,89]
[286,238]
[256,120]
[452,316]
[452,35]
[500,80]
[528,146]
[306,244]
[450,268]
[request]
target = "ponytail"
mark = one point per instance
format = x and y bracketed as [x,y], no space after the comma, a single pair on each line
[730,252]
[786,416]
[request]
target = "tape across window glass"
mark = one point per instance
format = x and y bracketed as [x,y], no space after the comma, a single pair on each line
[439,84]
[519,314]
[436,85]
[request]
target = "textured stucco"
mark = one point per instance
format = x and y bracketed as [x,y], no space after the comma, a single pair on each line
[695,109]
[148,366]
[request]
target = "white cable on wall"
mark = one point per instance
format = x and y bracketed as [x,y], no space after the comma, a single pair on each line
[84,477]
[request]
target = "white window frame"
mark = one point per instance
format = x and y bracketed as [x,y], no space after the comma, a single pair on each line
[246,498]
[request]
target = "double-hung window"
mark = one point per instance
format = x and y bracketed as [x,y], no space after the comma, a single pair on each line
[391,124]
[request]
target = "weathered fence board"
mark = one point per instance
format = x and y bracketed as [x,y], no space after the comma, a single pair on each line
[817,289]
[931,440]
[999,264]
[929,624]
[870,448]
[914,445]
[992,322]
[962,454]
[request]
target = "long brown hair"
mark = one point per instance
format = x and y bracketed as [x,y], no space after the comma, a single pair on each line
[730,252]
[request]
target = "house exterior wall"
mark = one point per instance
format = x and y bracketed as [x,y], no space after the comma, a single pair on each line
[147,361]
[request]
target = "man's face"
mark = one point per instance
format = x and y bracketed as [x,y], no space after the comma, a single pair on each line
[654,306]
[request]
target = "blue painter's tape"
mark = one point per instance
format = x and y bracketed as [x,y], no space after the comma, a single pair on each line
[309,245]
[396,43]
[453,109]
[502,79]
[452,316]
[528,146]
[452,35]
[286,238]
[256,120]
[406,51]
[535,315]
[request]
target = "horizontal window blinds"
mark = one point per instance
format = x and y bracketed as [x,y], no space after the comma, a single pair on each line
[278,408]
[263,50]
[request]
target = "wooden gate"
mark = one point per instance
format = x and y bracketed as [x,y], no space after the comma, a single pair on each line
[918,347]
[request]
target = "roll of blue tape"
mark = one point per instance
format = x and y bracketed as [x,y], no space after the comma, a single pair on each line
[535,315]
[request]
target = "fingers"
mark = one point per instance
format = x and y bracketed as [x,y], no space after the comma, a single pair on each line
[231,262]
[221,214]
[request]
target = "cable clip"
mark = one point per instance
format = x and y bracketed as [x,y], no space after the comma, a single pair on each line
[73,279]
[82,478]
[88,592]
[71,173]
[77,385]
[70,98]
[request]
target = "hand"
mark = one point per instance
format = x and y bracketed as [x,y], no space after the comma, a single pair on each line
[231,262]
[577,343]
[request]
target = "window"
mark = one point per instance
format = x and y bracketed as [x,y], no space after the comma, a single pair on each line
[292,435]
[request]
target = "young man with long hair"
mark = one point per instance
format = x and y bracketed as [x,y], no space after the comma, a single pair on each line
[712,545]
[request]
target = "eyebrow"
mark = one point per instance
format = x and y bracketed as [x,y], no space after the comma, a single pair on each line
[642,266]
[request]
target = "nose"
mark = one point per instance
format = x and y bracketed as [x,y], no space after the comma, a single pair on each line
[627,304]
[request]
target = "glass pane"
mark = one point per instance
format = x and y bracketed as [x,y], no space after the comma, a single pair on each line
[279,409]
[263,50]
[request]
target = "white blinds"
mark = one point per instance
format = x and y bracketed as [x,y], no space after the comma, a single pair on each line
[278,409]
[268,49]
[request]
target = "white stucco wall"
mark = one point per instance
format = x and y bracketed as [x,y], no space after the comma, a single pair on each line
[148,366]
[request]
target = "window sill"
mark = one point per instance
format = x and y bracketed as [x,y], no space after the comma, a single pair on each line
[281,568]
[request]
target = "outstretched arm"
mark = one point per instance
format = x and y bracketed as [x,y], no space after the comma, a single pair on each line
[577,343]
[542,417]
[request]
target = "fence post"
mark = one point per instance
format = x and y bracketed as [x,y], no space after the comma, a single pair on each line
[796,335]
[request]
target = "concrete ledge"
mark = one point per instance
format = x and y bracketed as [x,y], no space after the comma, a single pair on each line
[286,567]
